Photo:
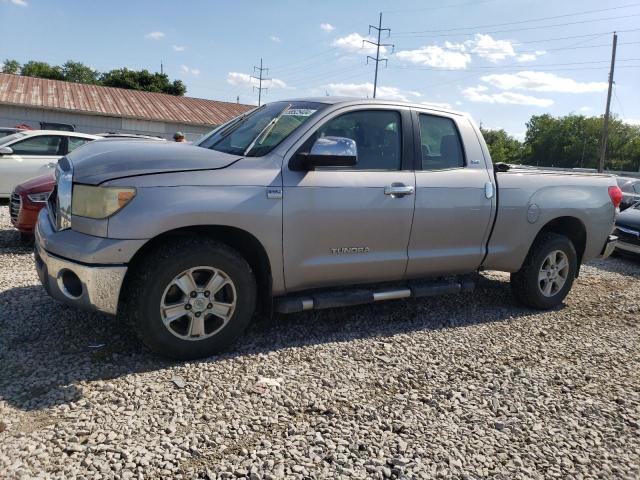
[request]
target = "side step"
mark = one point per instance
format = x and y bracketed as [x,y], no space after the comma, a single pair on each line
[343,298]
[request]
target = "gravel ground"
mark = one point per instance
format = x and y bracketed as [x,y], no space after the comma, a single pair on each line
[454,387]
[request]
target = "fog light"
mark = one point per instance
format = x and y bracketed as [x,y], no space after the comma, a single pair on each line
[70,283]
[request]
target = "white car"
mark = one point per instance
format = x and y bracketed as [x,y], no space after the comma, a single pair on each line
[30,153]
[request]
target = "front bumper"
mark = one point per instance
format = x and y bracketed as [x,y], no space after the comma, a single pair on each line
[610,246]
[90,287]
[628,247]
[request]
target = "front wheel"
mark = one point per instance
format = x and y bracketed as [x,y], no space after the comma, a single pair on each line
[547,274]
[191,298]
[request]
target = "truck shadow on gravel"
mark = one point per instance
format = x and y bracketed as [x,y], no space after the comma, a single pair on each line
[47,348]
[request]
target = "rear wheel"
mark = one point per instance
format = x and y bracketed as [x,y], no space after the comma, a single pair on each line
[547,274]
[191,298]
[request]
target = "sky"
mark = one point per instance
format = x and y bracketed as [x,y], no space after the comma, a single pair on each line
[502,61]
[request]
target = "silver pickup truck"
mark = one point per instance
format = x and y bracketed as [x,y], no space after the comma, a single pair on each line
[308,204]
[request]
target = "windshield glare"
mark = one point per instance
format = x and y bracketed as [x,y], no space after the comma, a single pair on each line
[262,129]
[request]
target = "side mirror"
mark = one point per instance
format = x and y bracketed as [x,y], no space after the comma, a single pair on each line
[329,152]
[6,151]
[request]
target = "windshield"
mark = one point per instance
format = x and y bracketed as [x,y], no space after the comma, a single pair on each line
[11,138]
[261,130]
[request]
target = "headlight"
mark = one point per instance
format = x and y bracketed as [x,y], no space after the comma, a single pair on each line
[40,197]
[99,202]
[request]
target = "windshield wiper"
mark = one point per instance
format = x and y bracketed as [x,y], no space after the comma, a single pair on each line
[239,121]
[265,131]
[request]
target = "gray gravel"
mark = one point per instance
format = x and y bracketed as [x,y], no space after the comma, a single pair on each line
[454,387]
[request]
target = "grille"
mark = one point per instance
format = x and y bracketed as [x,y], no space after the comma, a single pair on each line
[52,205]
[14,207]
[627,237]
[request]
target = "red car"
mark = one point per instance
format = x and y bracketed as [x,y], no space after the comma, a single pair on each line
[27,200]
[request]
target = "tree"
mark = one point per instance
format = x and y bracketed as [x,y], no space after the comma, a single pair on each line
[79,73]
[502,146]
[142,80]
[11,66]
[41,70]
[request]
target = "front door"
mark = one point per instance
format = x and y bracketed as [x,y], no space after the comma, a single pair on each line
[345,226]
[33,156]
[454,204]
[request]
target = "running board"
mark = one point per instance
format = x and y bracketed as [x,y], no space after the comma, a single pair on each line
[343,298]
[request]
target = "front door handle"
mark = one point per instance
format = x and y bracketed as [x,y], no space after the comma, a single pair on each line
[52,164]
[398,190]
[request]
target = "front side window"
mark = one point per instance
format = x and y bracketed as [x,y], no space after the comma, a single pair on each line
[440,143]
[261,130]
[40,145]
[75,142]
[377,134]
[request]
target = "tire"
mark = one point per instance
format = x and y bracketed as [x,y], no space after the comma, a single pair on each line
[526,284]
[27,239]
[154,281]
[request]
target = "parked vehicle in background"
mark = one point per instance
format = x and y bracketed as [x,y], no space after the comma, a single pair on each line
[130,136]
[6,131]
[630,191]
[308,204]
[64,127]
[29,197]
[628,230]
[29,153]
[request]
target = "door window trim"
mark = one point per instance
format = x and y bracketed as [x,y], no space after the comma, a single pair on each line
[415,115]
[406,137]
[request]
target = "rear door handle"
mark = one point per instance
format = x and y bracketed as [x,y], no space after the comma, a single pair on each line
[398,190]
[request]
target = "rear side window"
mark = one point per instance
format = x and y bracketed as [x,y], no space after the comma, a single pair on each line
[75,142]
[377,134]
[440,143]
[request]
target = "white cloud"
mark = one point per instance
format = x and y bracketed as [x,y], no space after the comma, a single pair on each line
[274,38]
[178,48]
[366,90]
[246,80]
[20,3]
[437,104]
[631,121]
[434,56]
[193,71]
[530,56]
[585,109]
[541,82]
[354,43]
[485,46]
[479,94]
[155,35]
[327,27]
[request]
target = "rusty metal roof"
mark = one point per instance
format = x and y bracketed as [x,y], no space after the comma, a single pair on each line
[114,102]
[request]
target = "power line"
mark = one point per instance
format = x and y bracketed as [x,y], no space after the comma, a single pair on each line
[537,27]
[539,19]
[615,95]
[377,44]
[260,78]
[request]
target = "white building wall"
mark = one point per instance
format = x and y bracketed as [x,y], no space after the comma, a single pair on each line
[12,115]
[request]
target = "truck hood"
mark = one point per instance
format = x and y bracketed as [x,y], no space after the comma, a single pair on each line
[99,161]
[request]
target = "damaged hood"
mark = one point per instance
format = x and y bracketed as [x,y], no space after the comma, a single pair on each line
[102,160]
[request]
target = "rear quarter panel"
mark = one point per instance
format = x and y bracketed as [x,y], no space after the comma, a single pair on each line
[528,201]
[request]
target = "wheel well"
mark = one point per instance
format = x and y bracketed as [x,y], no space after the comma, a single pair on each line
[570,227]
[240,240]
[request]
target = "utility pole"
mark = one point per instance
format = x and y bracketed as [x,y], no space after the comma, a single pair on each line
[378,45]
[161,68]
[605,127]
[260,78]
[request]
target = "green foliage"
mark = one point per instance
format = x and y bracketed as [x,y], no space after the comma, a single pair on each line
[41,70]
[142,80]
[572,141]
[502,146]
[11,66]
[80,73]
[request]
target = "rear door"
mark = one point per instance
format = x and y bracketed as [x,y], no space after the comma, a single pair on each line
[343,226]
[454,200]
[32,156]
